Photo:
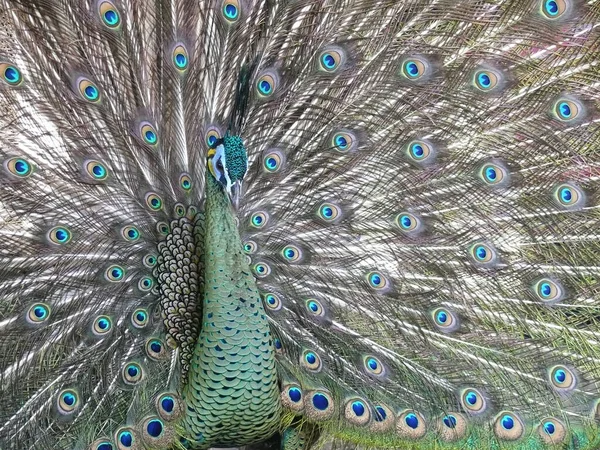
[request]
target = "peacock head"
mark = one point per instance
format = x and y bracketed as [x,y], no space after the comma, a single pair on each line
[228,162]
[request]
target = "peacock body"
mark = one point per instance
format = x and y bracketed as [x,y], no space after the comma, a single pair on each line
[369,223]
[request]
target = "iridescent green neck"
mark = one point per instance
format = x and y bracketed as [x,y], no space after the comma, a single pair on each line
[232,393]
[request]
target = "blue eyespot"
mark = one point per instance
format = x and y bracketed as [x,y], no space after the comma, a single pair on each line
[414,68]
[486,80]
[114,273]
[87,89]
[145,284]
[148,133]
[167,404]
[472,401]
[104,446]
[314,307]
[508,422]
[59,235]
[380,414]
[358,408]
[411,420]
[38,312]
[320,401]
[259,219]
[377,281]
[125,438]
[262,269]
[272,301]
[132,373]
[295,394]
[267,83]
[569,196]
[109,14]
[494,174]
[155,349]
[344,141]
[373,366]
[549,428]
[420,152]
[68,401]
[331,59]
[548,290]
[185,182]
[180,57]
[329,213]
[153,201]
[273,161]
[139,318]
[292,253]
[553,9]
[450,421]
[567,110]
[562,378]
[231,10]
[155,428]
[18,167]
[483,254]
[102,325]
[311,361]
[11,75]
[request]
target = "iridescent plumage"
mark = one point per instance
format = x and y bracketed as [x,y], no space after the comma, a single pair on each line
[361,222]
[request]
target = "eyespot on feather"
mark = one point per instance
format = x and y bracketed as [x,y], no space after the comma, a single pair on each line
[11,74]
[109,14]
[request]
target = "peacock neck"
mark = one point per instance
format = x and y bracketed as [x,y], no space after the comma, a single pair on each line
[232,392]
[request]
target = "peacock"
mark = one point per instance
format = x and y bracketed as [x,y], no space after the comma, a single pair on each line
[309,223]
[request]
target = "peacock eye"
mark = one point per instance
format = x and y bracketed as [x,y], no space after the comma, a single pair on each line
[18,167]
[508,426]
[272,301]
[88,90]
[420,152]
[95,170]
[250,247]
[273,161]
[126,438]
[132,373]
[445,320]
[569,196]
[344,141]
[102,325]
[562,378]
[552,431]
[377,281]
[259,219]
[494,174]
[313,306]
[68,401]
[156,349]
[548,290]
[374,366]
[38,313]
[267,83]
[148,133]
[130,233]
[554,9]
[114,273]
[145,284]
[329,212]
[567,110]
[486,80]
[180,57]
[311,361]
[473,401]
[331,59]
[59,235]
[109,14]
[292,254]
[163,228]
[483,254]
[231,10]
[212,135]
[139,318]
[414,68]
[262,270]
[185,181]
[11,75]
[153,201]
